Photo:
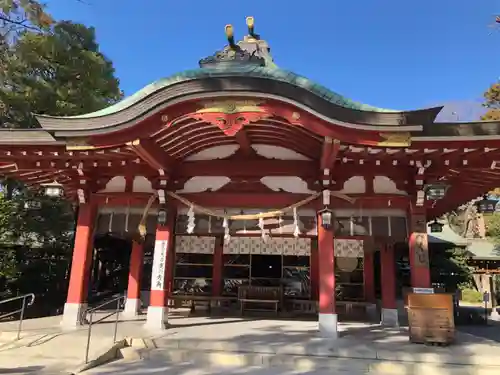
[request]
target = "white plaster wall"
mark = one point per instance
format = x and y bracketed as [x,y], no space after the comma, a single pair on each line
[115,185]
[290,184]
[142,185]
[216,152]
[277,152]
[354,185]
[200,184]
[384,185]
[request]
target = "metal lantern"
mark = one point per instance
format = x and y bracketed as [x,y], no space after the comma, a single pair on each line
[486,205]
[435,192]
[162,216]
[326,218]
[53,189]
[436,227]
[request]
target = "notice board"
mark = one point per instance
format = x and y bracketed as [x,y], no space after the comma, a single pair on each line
[431,318]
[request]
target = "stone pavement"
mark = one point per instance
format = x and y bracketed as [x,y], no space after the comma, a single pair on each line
[289,345]
[45,348]
[159,367]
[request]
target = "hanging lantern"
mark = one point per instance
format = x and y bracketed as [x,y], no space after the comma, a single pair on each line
[53,189]
[162,216]
[326,218]
[486,205]
[435,192]
[436,227]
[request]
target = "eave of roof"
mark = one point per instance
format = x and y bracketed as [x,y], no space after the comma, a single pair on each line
[447,236]
[234,71]
[484,249]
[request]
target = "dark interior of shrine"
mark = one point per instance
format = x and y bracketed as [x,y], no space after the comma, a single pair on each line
[110,266]
[193,272]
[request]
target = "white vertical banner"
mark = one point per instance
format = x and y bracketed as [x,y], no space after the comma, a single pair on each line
[159,263]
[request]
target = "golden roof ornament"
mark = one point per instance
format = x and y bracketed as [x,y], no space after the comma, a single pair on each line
[249,51]
[250,25]
[230,36]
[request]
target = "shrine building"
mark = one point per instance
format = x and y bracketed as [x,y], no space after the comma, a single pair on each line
[254,183]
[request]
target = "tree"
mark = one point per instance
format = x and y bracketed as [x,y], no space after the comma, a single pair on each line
[62,73]
[56,71]
[492,102]
[20,15]
[493,226]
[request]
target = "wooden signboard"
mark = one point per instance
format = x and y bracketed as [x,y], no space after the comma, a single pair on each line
[431,318]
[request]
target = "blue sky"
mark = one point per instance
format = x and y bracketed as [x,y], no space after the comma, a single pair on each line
[389,53]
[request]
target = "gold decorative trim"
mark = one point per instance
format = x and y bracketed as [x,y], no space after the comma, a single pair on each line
[231,107]
[395,140]
[79,144]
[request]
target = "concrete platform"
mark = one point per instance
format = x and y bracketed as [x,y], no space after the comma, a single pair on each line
[206,341]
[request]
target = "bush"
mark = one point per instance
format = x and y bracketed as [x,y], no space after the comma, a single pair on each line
[472,296]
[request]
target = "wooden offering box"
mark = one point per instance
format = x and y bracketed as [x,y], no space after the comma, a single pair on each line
[431,318]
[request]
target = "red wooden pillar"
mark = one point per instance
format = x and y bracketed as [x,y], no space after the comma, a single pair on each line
[388,281]
[314,271]
[133,303]
[327,313]
[369,277]
[419,251]
[170,268]
[218,266]
[76,302]
[157,310]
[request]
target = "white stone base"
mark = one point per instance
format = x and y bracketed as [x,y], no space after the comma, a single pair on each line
[390,317]
[328,327]
[494,314]
[156,319]
[73,315]
[132,307]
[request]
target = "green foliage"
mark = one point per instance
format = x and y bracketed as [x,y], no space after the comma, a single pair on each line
[450,269]
[492,102]
[471,295]
[492,223]
[62,73]
[54,69]
[17,16]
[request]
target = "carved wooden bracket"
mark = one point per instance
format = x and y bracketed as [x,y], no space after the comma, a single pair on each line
[231,116]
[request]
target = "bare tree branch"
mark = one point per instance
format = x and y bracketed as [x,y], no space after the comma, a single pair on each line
[18,23]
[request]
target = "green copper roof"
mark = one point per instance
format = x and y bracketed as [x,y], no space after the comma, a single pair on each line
[249,71]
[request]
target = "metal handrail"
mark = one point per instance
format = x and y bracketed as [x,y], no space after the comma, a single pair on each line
[90,314]
[21,310]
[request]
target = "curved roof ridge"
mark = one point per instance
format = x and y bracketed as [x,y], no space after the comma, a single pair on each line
[252,71]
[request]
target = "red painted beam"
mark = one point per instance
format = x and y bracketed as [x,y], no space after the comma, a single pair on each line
[152,154]
[329,153]
[260,200]
[284,132]
[244,142]
[194,150]
[249,167]
[280,200]
[326,150]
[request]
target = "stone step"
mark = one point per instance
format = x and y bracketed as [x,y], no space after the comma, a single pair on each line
[306,364]
[412,353]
